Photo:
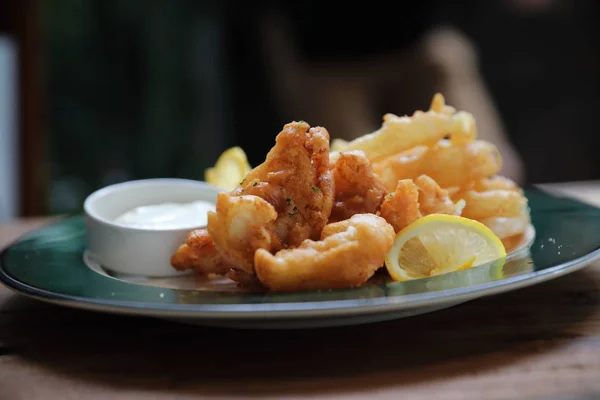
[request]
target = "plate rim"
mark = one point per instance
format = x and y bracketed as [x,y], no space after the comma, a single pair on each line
[294,310]
[329,308]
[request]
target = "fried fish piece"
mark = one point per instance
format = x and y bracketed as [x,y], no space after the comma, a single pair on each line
[401,207]
[280,203]
[200,254]
[357,188]
[296,179]
[239,226]
[347,255]
[414,199]
[432,198]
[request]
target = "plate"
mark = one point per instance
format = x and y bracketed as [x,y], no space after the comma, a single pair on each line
[51,265]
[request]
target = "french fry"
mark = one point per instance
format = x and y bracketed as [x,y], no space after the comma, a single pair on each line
[498,203]
[505,227]
[398,134]
[450,166]
[438,104]
[494,182]
[338,144]
[493,203]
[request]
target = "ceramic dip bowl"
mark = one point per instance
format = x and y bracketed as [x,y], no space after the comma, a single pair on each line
[135,227]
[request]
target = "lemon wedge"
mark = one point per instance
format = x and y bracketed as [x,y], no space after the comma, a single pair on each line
[437,244]
[229,170]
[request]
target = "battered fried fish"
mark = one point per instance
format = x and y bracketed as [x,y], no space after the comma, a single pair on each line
[280,203]
[347,255]
[297,181]
[357,188]
[200,254]
[240,225]
[414,199]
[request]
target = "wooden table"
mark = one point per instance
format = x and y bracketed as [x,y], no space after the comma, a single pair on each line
[538,342]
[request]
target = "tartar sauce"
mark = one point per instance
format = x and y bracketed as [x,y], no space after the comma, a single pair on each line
[167,215]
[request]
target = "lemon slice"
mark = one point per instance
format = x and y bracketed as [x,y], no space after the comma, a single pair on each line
[438,244]
[229,170]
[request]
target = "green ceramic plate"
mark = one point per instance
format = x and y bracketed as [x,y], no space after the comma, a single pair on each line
[50,265]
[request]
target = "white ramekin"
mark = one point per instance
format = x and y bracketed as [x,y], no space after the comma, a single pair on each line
[133,250]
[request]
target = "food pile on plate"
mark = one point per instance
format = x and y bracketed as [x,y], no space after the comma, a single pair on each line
[420,196]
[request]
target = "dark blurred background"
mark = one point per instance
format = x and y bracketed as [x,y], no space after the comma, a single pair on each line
[94,92]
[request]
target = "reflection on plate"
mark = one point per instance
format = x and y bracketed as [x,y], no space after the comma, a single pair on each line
[48,265]
[189,281]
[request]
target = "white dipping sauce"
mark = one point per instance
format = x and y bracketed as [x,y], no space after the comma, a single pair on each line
[167,215]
